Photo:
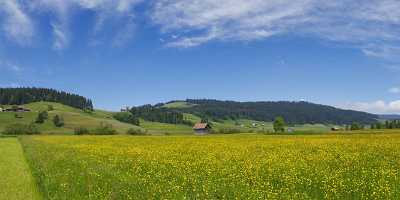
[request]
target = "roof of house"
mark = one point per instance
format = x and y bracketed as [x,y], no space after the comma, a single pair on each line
[201,126]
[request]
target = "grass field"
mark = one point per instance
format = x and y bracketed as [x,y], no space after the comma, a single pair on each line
[16,181]
[216,167]
[73,118]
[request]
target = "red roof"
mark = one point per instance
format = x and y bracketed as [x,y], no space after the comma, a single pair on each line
[200,126]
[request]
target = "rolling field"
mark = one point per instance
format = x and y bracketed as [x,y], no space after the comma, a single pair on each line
[216,167]
[16,180]
[73,118]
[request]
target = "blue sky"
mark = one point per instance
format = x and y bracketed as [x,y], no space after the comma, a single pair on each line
[132,52]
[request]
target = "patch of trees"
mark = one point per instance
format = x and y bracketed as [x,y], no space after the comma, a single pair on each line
[127,117]
[292,112]
[103,128]
[21,129]
[20,96]
[388,124]
[152,113]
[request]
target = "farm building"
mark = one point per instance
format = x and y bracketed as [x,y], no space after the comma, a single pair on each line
[16,109]
[1,109]
[335,129]
[202,128]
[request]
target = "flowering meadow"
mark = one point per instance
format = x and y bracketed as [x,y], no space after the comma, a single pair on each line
[216,167]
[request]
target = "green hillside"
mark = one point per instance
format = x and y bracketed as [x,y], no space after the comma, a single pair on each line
[73,118]
[178,104]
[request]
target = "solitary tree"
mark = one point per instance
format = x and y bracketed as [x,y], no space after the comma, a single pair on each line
[279,125]
[58,121]
[42,116]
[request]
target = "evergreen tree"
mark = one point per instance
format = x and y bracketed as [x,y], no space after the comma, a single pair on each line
[19,96]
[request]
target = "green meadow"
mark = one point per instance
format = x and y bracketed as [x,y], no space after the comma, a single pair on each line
[356,166]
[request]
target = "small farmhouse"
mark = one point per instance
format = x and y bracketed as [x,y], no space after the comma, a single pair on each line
[16,109]
[202,128]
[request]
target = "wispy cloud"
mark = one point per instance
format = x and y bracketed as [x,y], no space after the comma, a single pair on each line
[10,85]
[394,90]
[377,107]
[371,25]
[6,65]
[17,24]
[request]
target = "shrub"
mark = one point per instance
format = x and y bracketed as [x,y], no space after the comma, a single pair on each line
[42,117]
[133,131]
[58,121]
[105,129]
[50,108]
[127,117]
[21,129]
[81,131]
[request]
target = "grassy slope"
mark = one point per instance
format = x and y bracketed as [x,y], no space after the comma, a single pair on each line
[217,167]
[16,181]
[73,118]
[179,104]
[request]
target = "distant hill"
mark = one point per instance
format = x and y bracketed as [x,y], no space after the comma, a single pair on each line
[73,118]
[19,96]
[389,117]
[293,112]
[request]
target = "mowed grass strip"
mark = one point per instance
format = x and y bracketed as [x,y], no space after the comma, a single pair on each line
[217,167]
[16,181]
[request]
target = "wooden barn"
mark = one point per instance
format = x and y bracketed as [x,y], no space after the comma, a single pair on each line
[202,128]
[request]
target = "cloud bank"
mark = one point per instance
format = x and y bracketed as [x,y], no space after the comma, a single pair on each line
[377,107]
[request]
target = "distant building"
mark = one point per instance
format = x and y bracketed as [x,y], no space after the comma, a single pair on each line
[335,129]
[126,109]
[1,109]
[202,128]
[16,109]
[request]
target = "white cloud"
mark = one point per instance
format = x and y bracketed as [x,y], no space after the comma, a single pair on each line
[371,25]
[378,107]
[10,85]
[17,24]
[394,90]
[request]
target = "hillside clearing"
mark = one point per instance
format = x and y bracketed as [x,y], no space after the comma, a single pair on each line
[16,180]
[217,167]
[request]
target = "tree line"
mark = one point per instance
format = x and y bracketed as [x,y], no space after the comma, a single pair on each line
[152,113]
[292,112]
[388,124]
[20,96]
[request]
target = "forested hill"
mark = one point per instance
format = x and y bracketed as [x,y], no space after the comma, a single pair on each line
[19,96]
[293,112]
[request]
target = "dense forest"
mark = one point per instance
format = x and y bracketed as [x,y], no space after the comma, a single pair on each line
[152,113]
[292,112]
[19,96]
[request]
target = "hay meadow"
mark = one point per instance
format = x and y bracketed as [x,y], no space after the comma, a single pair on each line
[358,166]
